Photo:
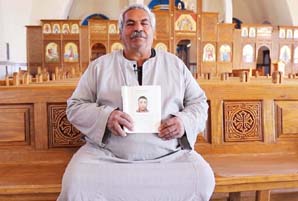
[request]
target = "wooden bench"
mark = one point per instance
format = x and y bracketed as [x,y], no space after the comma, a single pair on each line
[34,152]
[252,136]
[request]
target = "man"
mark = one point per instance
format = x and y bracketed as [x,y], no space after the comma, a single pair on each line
[142,104]
[114,165]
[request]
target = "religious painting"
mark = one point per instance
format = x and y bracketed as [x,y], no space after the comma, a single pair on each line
[185,22]
[161,46]
[209,53]
[116,46]
[289,33]
[52,53]
[225,53]
[248,54]
[252,32]
[285,54]
[65,29]
[296,55]
[75,29]
[112,29]
[244,32]
[282,33]
[56,28]
[46,29]
[71,52]
[296,34]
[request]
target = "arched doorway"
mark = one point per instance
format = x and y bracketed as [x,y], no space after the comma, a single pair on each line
[183,51]
[97,50]
[186,51]
[264,61]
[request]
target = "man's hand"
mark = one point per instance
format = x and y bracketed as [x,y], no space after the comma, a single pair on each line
[171,128]
[117,120]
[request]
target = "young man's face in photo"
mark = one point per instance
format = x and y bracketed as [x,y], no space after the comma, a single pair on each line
[142,105]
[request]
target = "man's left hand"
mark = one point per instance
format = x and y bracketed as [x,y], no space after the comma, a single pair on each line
[171,128]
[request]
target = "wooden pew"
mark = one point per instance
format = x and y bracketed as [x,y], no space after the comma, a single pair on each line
[37,141]
[252,136]
[34,149]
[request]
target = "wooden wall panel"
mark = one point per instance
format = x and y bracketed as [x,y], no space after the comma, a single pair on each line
[237,49]
[84,47]
[225,32]
[209,26]
[34,48]
[163,25]
[15,124]
[287,119]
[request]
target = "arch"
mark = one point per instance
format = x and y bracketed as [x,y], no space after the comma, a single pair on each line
[94,16]
[97,49]
[183,50]
[264,59]
[159,3]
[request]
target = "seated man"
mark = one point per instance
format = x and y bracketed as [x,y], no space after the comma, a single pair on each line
[114,165]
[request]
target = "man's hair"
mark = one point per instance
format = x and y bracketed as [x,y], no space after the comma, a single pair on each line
[136,6]
[142,97]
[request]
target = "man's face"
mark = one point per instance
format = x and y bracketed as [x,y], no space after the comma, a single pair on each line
[136,20]
[142,104]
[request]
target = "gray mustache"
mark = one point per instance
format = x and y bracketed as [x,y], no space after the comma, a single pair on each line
[137,34]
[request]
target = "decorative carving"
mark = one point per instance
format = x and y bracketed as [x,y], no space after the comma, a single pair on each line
[243,121]
[61,132]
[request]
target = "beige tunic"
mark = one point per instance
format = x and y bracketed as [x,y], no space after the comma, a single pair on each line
[143,162]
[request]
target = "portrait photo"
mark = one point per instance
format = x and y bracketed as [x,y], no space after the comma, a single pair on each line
[142,104]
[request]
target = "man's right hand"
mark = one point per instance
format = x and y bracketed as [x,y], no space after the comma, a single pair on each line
[117,120]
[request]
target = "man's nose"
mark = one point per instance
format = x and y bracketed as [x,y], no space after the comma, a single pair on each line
[138,27]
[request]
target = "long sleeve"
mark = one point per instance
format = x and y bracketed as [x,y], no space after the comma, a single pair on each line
[83,110]
[194,114]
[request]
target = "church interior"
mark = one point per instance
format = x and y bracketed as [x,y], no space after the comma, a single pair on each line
[244,55]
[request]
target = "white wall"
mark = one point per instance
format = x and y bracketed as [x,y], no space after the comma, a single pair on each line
[54,9]
[215,6]
[257,11]
[15,15]
[82,9]
[293,5]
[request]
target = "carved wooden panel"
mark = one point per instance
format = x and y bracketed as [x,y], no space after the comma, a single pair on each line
[15,124]
[61,132]
[243,121]
[286,119]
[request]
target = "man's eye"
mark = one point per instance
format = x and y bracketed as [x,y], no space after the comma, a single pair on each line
[129,24]
[145,23]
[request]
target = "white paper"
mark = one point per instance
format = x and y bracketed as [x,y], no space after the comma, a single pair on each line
[135,99]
